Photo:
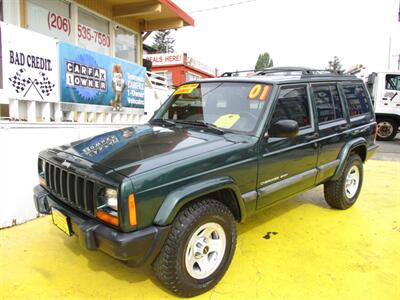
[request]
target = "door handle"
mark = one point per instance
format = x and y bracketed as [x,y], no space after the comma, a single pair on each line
[312,136]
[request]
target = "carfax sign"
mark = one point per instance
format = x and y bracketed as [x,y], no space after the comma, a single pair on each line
[30,65]
[88,77]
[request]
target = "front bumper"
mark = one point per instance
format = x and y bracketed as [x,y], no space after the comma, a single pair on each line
[136,248]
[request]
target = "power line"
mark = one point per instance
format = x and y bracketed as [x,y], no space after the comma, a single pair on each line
[222,6]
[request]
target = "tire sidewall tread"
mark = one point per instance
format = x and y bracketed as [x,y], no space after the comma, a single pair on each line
[334,191]
[169,265]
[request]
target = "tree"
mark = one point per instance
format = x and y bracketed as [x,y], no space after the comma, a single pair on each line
[264,61]
[335,66]
[163,42]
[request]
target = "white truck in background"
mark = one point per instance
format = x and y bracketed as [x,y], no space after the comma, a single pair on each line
[384,88]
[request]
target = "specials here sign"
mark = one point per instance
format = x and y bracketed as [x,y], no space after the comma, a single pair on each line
[30,65]
[165,59]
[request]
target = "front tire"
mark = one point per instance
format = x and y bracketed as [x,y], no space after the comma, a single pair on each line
[343,193]
[198,250]
[387,129]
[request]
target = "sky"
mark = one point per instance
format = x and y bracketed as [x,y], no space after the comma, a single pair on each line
[295,33]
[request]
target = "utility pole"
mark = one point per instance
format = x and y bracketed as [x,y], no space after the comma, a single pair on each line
[389,54]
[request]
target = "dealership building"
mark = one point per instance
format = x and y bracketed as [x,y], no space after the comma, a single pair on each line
[113,28]
[179,67]
[70,69]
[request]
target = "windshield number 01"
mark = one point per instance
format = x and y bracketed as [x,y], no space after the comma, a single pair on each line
[257,91]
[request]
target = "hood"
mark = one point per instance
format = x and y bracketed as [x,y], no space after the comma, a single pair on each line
[140,148]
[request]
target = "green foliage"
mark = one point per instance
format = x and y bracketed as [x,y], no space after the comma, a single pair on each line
[163,42]
[264,61]
[335,66]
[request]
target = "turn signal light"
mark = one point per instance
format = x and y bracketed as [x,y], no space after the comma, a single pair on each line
[132,210]
[107,218]
[42,181]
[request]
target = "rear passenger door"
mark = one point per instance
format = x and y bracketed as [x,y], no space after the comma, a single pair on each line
[288,165]
[332,127]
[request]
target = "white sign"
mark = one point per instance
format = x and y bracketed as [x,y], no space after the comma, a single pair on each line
[30,64]
[200,66]
[165,59]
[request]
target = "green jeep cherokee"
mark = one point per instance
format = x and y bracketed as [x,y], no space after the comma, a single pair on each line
[170,192]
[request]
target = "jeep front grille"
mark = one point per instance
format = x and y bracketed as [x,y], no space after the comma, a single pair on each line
[71,188]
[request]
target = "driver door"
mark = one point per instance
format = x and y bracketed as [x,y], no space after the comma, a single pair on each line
[288,165]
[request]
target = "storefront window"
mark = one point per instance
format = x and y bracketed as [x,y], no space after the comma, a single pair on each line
[125,45]
[191,76]
[167,75]
[52,18]
[93,32]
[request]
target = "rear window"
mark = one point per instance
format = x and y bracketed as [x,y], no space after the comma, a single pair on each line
[356,98]
[327,101]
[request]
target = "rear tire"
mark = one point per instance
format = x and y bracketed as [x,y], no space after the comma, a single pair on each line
[343,193]
[198,250]
[387,129]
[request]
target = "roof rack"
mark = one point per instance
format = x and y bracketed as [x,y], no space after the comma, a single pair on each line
[236,73]
[303,72]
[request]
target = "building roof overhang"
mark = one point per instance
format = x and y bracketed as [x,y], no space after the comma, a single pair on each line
[151,14]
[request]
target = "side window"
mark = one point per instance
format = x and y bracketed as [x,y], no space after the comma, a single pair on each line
[328,103]
[392,82]
[292,104]
[356,99]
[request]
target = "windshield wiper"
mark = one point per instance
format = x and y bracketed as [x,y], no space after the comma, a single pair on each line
[164,121]
[202,123]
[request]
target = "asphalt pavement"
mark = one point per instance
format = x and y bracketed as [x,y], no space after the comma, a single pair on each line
[389,150]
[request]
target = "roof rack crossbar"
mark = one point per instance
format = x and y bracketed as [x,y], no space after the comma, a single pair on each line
[303,71]
[235,73]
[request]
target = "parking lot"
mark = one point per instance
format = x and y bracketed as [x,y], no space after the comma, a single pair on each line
[299,249]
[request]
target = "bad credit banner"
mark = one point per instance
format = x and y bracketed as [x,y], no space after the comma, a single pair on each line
[88,77]
[30,65]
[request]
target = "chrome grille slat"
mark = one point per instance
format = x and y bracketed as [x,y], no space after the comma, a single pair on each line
[64,186]
[71,188]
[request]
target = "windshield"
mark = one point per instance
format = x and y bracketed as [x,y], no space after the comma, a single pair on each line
[226,105]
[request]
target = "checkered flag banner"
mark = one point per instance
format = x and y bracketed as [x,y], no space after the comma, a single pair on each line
[45,86]
[18,82]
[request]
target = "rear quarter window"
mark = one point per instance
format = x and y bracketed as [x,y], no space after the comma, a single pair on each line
[356,99]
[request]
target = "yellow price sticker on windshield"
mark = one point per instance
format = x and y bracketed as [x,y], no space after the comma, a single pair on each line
[186,89]
[227,121]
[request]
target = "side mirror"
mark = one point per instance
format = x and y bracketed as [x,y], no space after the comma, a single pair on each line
[284,129]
